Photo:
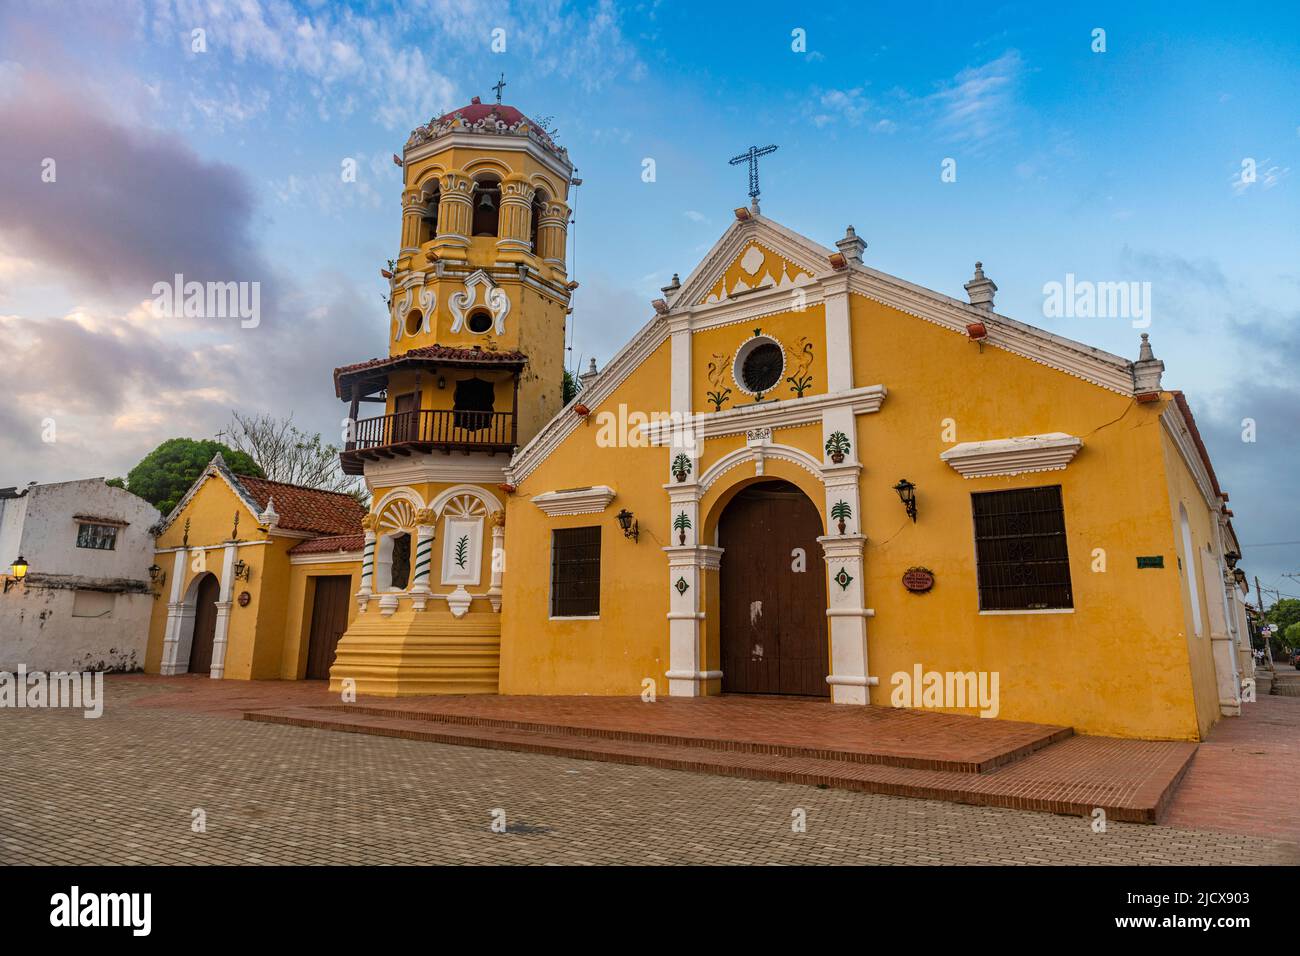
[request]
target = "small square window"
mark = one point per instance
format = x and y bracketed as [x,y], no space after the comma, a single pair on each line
[99,537]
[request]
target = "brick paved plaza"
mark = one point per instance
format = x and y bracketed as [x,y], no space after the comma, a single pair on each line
[122,789]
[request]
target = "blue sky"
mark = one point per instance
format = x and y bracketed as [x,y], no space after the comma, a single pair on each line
[1116,166]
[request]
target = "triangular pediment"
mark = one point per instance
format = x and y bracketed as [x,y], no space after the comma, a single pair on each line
[753,254]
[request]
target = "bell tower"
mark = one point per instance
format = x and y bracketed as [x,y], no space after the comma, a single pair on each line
[479,296]
[481,263]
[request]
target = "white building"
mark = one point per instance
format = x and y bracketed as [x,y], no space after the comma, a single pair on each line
[87,597]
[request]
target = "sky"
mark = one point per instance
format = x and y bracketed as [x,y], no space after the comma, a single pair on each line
[1168,158]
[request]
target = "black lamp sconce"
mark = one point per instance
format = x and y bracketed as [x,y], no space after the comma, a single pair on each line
[241,570]
[627,521]
[157,576]
[907,494]
[1232,557]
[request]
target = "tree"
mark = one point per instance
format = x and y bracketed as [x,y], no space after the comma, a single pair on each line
[1291,636]
[1284,613]
[164,475]
[288,454]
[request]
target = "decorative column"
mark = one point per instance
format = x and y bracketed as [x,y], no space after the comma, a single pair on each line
[369,524]
[498,559]
[552,233]
[176,620]
[455,215]
[686,567]
[515,227]
[413,210]
[1222,643]
[844,553]
[223,611]
[848,678]
[425,519]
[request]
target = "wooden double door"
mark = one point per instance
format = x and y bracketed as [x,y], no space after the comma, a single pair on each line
[329,619]
[772,582]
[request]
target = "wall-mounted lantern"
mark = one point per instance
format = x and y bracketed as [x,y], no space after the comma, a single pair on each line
[241,570]
[156,577]
[17,572]
[1232,557]
[907,494]
[627,521]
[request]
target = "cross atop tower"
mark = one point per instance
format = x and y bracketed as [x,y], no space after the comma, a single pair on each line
[751,156]
[499,86]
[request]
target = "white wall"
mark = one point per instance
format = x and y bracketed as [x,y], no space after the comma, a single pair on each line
[38,626]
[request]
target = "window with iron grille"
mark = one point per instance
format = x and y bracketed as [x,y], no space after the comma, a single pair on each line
[575,572]
[1020,550]
[100,537]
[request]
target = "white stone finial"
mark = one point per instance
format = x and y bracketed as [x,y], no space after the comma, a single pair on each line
[586,377]
[1147,369]
[851,246]
[980,289]
[269,517]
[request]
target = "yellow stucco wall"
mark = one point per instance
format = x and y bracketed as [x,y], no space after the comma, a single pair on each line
[629,642]
[300,595]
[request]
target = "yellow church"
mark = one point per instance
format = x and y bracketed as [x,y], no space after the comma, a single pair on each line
[801,476]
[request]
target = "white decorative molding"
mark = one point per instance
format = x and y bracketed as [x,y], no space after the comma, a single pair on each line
[1181,433]
[744,351]
[429,468]
[1013,456]
[451,496]
[462,533]
[757,453]
[575,501]
[327,557]
[782,413]
[494,297]
[458,601]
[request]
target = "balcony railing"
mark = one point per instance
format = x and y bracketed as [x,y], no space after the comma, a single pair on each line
[444,429]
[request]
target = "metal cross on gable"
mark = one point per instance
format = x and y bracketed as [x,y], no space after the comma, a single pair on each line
[499,86]
[751,156]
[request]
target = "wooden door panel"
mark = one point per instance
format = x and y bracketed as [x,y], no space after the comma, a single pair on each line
[329,619]
[773,618]
[205,625]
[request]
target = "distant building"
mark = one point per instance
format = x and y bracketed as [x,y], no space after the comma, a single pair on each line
[86,600]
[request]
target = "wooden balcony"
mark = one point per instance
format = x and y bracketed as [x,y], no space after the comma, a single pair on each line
[427,430]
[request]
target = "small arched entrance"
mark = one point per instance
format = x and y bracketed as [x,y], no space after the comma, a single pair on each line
[206,595]
[772,588]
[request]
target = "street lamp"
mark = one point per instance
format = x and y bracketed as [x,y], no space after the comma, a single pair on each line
[628,523]
[907,494]
[17,571]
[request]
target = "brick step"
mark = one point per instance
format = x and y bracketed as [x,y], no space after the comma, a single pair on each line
[1131,780]
[995,755]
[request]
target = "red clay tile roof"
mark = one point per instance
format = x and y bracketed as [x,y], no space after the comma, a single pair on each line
[428,355]
[307,509]
[338,542]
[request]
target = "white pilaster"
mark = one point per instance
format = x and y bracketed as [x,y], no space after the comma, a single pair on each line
[686,567]
[223,611]
[498,561]
[848,678]
[367,570]
[839,337]
[176,619]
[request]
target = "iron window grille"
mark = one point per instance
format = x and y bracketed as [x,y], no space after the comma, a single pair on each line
[575,572]
[98,537]
[1021,557]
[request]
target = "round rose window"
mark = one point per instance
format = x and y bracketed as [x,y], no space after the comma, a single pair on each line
[759,365]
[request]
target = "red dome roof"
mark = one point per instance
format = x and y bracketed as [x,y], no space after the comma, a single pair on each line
[478,110]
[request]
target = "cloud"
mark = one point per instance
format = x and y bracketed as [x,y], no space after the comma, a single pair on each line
[127,207]
[694,216]
[976,107]
[849,106]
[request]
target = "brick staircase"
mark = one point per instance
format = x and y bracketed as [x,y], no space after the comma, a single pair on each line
[876,750]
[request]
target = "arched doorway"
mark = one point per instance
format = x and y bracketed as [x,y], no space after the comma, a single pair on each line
[772,583]
[205,624]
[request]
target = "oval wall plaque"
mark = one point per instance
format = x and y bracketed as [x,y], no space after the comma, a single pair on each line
[244,598]
[918,580]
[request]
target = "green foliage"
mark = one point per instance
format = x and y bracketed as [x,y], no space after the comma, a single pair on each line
[842,510]
[682,463]
[572,386]
[1284,613]
[681,523]
[838,443]
[116,483]
[164,475]
[1291,636]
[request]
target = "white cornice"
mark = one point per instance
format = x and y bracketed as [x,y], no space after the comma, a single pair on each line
[575,501]
[430,467]
[1013,456]
[489,142]
[326,557]
[1181,433]
[785,413]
